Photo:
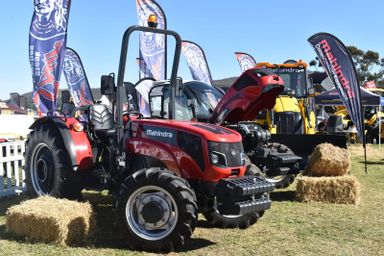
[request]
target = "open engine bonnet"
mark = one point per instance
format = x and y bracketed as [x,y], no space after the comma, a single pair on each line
[256,89]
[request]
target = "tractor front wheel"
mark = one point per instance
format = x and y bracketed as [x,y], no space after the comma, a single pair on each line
[157,208]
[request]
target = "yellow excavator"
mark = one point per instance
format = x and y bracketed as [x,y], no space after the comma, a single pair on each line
[373,116]
[293,120]
[294,111]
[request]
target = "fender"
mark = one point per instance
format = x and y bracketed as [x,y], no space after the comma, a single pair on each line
[76,143]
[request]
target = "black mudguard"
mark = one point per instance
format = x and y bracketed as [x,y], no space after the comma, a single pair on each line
[65,134]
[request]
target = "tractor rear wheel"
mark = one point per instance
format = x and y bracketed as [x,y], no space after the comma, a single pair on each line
[47,167]
[281,181]
[158,209]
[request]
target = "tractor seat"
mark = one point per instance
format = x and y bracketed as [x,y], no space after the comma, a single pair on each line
[101,121]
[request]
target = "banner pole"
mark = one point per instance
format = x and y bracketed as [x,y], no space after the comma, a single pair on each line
[365,159]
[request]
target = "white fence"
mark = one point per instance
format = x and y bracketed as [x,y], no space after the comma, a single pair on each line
[12,174]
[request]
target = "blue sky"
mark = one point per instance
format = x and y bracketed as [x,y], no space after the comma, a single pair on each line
[271,31]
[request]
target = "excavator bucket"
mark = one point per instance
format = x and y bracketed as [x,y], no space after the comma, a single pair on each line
[304,144]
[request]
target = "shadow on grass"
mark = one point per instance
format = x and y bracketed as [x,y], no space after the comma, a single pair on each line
[7,202]
[373,162]
[107,234]
[195,244]
[281,196]
[204,224]
[9,236]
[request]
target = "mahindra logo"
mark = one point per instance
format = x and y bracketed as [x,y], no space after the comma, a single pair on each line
[157,133]
[233,152]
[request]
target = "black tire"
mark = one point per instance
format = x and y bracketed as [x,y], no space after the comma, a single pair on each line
[373,134]
[47,166]
[155,192]
[215,219]
[281,181]
[252,169]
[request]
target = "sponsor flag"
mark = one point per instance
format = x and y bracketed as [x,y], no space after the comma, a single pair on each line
[246,61]
[337,62]
[339,66]
[197,62]
[76,79]
[47,42]
[152,46]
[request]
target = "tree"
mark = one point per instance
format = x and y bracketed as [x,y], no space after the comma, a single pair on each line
[369,65]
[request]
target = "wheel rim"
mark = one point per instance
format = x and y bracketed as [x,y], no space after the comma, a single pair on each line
[276,179]
[223,215]
[151,213]
[42,170]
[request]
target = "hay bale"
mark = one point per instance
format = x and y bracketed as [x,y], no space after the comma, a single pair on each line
[51,220]
[328,160]
[339,190]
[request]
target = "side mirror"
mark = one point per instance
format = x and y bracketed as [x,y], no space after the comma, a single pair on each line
[108,84]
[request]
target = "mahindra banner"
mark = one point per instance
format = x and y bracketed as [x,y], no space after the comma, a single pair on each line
[197,63]
[152,46]
[339,66]
[76,79]
[246,61]
[47,40]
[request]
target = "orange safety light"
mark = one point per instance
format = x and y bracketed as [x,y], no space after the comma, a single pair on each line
[152,21]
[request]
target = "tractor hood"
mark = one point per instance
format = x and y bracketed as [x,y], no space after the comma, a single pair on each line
[256,89]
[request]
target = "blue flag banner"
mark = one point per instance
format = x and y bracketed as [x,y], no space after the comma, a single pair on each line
[195,57]
[152,46]
[47,41]
[246,61]
[76,79]
[337,62]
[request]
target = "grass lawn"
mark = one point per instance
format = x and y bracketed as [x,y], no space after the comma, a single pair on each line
[288,228]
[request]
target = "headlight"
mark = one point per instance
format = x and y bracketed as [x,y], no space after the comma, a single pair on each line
[226,154]
[218,158]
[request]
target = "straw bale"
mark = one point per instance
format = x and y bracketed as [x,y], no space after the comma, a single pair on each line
[339,190]
[328,160]
[51,220]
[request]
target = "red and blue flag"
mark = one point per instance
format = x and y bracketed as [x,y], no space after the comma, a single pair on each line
[47,43]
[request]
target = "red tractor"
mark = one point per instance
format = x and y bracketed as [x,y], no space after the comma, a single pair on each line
[255,90]
[161,172]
